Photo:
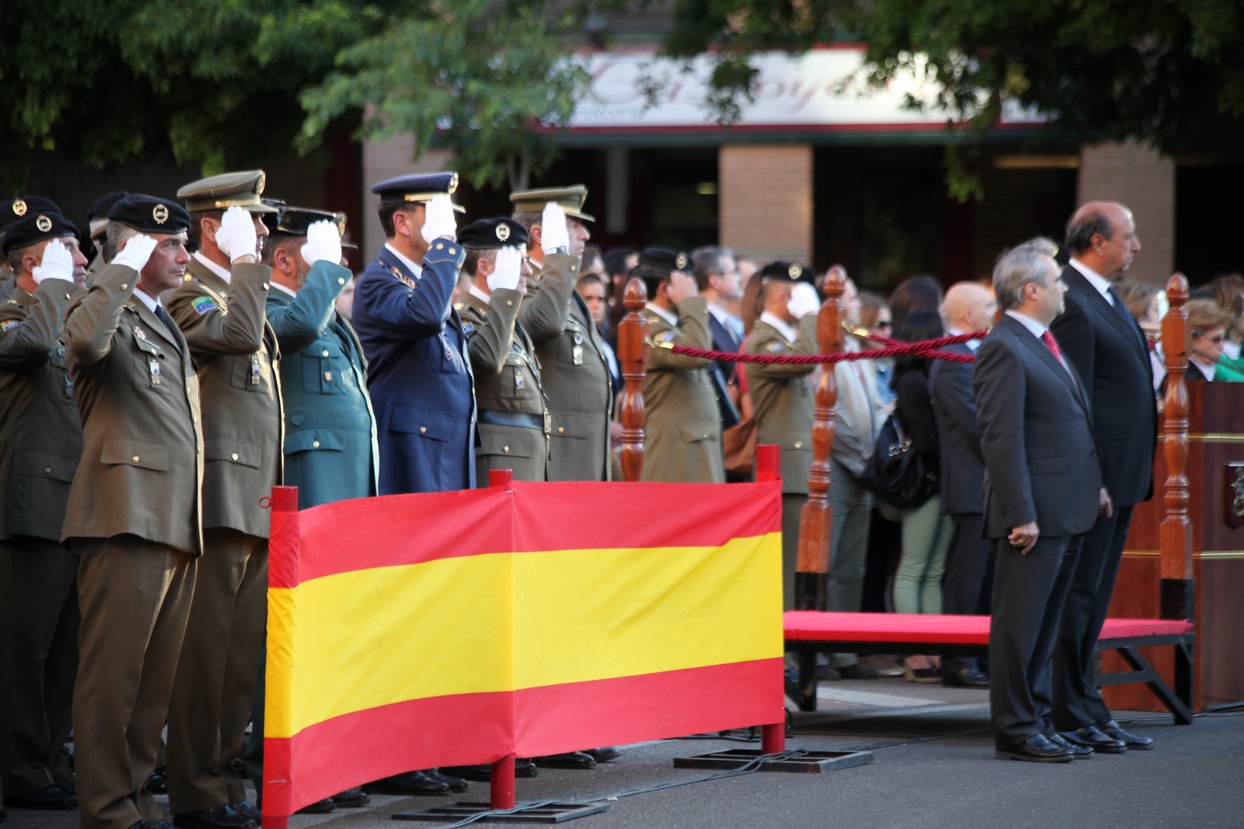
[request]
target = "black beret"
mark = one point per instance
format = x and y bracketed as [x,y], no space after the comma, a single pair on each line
[15,210]
[417,189]
[35,228]
[659,263]
[101,206]
[487,234]
[147,214]
[781,271]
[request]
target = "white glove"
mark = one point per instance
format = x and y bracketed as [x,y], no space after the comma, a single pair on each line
[438,218]
[236,237]
[803,300]
[323,243]
[136,252]
[57,263]
[554,233]
[505,272]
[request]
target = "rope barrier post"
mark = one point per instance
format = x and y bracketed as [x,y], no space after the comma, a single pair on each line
[501,784]
[1176,597]
[285,538]
[769,468]
[633,350]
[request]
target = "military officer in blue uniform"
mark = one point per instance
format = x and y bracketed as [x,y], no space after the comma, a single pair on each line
[419,369]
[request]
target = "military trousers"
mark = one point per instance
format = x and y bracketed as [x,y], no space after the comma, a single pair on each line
[135,599]
[211,702]
[38,663]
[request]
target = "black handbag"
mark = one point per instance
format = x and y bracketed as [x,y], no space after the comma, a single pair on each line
[896,473]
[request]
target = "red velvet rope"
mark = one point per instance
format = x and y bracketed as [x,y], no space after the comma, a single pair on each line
[926,348]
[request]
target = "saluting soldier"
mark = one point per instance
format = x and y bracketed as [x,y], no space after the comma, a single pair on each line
[682,437]
[134,514]
[568,343]
[40,446]
[12,212]
[782,398]
[220,309]
[513,417]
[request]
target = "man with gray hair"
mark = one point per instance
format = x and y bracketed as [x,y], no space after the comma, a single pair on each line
[1042,493]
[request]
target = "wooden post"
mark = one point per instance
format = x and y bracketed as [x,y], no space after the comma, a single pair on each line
[285,537]
[633,350]
[1176,596]
[501,780]
[769,468]
[816,517]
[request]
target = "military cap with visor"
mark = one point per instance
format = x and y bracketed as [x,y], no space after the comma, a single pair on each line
[148,214]
[36,228]
[226,190]
[12,212]
[417,189]
[490,234]
[570,198]
[288,220]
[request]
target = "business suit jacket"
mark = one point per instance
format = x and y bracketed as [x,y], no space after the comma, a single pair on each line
[1108,350]
[507,379]
[962,467]
[724,340]
[580,391]
[40,428]
[682,429]
[419,371]
[142,444]
[1036,438]
[331,452]
[243,422]
[782,399]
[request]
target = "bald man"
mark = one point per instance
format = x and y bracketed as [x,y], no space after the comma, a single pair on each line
[1104,343]
[968,307]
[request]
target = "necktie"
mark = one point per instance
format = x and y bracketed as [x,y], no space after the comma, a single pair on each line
[1052,345]
[1122,311]
[168,323]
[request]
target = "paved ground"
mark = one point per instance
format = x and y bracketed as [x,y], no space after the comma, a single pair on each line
[932,767]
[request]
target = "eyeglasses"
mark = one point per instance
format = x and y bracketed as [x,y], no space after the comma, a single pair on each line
[883,324]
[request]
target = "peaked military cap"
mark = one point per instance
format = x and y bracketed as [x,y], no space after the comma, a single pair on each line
[417,189]
[226,190]
[570,198]
[659,263]
[97,216]
[14,211]
[488,234]
[35,228]
[294,221]
[147,214]
[782,271]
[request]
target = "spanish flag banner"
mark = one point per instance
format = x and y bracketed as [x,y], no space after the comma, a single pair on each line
[458,628]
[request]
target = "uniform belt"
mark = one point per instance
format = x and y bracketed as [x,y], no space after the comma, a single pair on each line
[523,420]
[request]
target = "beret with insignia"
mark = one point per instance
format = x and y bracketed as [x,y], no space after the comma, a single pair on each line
[14,211]
[97,216]
[226,190]
[656,265]
[783,271]
[417,189]
[570,198]
[38,227]
[147,214]
[489,234]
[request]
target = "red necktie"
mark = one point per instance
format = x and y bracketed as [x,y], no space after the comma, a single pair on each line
[1052,345]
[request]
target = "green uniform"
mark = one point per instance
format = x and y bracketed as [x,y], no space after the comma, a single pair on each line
[513,417]
[682,430]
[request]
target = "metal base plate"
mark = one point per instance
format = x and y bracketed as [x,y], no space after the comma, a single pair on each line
[810,762]
[542,813]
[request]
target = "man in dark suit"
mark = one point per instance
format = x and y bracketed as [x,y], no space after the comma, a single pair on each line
[1104,343]
[1042,493]
[967,308]
[718,280]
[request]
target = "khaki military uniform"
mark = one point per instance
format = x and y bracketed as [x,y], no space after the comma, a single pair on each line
[782,397]
[40,447]
[134,521]
[513,416]
[682,431]
[573,369]
[243,430]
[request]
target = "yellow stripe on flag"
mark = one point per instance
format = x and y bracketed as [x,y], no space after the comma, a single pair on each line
[375,637]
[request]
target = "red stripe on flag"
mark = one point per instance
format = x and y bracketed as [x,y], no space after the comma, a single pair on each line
[466,729]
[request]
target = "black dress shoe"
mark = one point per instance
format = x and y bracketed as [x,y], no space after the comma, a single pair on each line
[1036,749]
[454,782]
[1115,732]
[239,768]
[480,774]
[319,807]
[1078,752]
[49,797]
[351,799]
[857,671]
[569,760]
[603,755]
[410,783]
[247,810]
[966,678]
[1094,739]
[157,783]
[217,817]
[525,767]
